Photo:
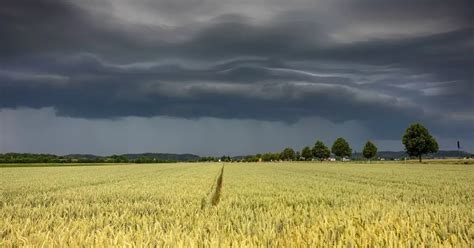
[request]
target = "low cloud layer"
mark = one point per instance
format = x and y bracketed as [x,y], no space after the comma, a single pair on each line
[381,64]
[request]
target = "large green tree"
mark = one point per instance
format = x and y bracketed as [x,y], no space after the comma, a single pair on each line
[287,154]
[267,157]
[418,141]
[341,148]
[297,155]
[370,150]
[307,153]
[276,156]
[320,151]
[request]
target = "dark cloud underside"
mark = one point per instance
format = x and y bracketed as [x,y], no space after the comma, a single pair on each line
[383,64]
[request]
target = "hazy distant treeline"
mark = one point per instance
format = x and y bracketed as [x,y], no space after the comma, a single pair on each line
[50,158]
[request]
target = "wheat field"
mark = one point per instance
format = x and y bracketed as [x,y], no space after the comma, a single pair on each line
[308,204]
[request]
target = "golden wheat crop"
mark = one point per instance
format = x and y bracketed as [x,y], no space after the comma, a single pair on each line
[260,205]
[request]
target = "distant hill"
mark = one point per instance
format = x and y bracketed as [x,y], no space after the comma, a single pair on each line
[163,156]
[81,156]
[401,154]
[450,154]
[133,156]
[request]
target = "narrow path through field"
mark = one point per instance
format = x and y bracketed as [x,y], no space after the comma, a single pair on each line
[215,190]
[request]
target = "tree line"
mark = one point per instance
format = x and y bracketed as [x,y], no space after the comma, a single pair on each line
[417,141]
[23,158]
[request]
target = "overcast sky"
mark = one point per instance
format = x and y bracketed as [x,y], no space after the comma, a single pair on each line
[215,77]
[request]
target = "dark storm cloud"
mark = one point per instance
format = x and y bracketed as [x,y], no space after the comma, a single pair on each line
[87,61]
[52,27]
[252,89]
[458,11]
